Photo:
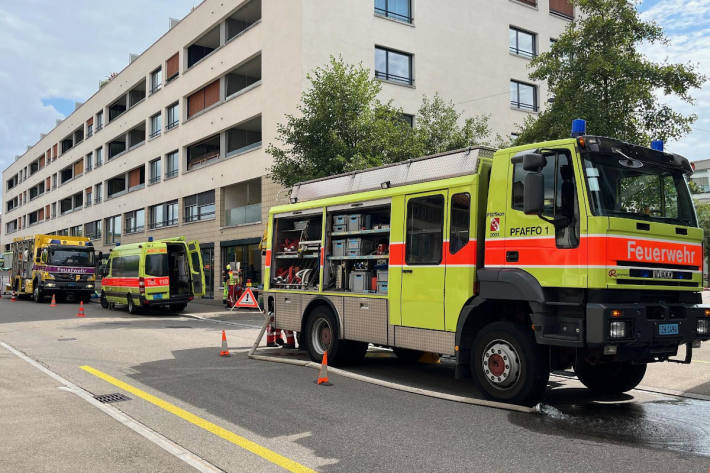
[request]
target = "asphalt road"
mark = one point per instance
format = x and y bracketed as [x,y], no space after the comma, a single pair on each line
[278,412]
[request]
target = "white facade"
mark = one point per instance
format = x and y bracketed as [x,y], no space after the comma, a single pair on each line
[459,48]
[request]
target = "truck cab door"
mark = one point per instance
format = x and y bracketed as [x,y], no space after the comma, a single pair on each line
[424,265]
[197,272]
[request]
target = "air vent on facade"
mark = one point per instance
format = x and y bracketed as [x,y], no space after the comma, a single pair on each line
[109,398]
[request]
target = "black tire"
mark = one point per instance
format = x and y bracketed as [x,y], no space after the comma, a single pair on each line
[516,368]
[37,295]
[85,298]
[405,355]
[610,378]
[177,307]
[104,302]
[132,308]
[321,335]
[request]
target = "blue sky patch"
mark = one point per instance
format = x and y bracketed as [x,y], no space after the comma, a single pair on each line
[61,105]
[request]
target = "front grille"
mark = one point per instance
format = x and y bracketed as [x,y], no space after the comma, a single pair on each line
[69,277]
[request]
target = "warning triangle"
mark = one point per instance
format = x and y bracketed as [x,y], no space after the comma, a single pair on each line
[247,300]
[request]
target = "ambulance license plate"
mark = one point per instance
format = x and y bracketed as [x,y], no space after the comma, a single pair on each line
[667,329]
[660,273]
[157,296]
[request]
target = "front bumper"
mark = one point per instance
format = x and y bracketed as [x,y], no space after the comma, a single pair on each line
[162,302]
[68,287]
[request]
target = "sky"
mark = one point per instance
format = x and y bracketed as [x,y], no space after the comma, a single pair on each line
[54,53]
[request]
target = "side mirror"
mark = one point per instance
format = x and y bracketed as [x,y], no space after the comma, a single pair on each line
[533,195]
[534,162]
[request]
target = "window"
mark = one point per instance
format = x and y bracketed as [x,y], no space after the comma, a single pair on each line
[409,119]
[532,3]
[397,9]
[99,193]
[135,221]
[460,221]
[171,164]
[173,116]
[156,80]
[156,265]
[164,215]
[523,96]
[172,67]
[99,156]
[155,124]
[548,174]
[99,121]
[155,171]
[125,266]
[89,130]
[89,164]
[76,231]
[522,43]
[562,8]
[393,66]
[425,230]
[249,255]
[199,206]
[113,230]
[92,230]
[87,201]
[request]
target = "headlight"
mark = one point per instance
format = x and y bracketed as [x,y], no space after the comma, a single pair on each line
[50,284]
[617,329]
[702,327]
[89,286]
[46,275]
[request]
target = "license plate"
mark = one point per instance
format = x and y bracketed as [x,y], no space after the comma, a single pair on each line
[157,296]
[660,273]
[667,329]
[71,284]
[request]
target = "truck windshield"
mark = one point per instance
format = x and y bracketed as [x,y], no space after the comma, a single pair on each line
[71,257]
[630,188]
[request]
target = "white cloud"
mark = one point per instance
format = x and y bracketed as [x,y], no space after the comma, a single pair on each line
[63,49]
[686,23]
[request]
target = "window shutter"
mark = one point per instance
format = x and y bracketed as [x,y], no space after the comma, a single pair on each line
[212,93]
[54,151]
[195,103]
[171,66]
[90,121]
[134,177]
[46,210]
[41,162]
[78,167]
[563,7]
[48,183]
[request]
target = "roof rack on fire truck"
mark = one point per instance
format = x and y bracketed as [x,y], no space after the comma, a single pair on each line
[437,166]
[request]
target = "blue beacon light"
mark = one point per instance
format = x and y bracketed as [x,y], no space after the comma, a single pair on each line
[657,145]
[579,127]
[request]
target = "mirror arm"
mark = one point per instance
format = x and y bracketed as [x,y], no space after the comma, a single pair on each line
[557,222]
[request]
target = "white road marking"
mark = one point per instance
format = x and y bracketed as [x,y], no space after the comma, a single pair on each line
[166,444]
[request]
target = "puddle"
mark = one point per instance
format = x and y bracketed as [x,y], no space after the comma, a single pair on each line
[676,424]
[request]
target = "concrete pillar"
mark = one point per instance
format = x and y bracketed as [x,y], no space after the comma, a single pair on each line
[222,144]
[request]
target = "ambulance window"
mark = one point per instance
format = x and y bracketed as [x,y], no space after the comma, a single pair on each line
[460,221]
[548,173]
[130,266]
[425,230]
[156,265]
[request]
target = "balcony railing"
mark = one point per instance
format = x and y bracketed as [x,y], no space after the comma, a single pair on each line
[169,174]
[243,215]
[523,52]
[154,180]
[172,125]
[155,133]
[523,106]
[391,14]
[163,223]
[394,77]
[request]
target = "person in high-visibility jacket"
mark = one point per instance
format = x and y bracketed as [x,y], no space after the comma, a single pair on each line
[227,280]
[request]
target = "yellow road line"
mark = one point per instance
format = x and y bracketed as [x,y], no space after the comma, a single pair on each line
[701,361]
[221,432]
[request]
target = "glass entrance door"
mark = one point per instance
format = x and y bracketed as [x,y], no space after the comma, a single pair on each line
[208,265]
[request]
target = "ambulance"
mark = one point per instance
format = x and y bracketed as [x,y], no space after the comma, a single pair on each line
[579,253]
[165,273]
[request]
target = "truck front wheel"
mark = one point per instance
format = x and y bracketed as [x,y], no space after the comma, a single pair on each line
[509,365]
[610,378]
[37,293]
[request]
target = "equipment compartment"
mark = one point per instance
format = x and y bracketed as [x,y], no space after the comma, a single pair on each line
[357,246]
[296,249]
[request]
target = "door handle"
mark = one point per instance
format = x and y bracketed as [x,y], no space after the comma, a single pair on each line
[406,270]
[511,256]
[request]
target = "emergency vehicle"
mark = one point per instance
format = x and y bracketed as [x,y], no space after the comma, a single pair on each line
[163,273]
[580,252]
[60,265]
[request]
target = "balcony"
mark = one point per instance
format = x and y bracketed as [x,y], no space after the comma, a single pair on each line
[117,108]
[203,153]
[242,215]
[244,137]
[136,94]
[242,203]
[243,19]
[242,77]
[203,47]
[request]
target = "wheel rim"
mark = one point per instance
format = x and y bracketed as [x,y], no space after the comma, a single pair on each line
[36,293]
[501,364]
[130,304]
[321,336]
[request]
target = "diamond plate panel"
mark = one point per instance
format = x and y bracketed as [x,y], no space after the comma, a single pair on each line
[436,341]
[365,319]
[287,311]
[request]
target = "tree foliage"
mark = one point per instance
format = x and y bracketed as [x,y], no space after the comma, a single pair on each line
[596,70]
[342,126]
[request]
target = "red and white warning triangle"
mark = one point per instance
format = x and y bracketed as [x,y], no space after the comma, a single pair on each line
[247,300]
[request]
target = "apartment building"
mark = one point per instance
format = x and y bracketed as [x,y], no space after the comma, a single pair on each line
[175,143]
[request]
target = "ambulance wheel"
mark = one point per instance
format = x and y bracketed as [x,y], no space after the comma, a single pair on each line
[104,302]
[177,307]
[406,355]
[321,335]
[610,378]
[37,293]
[509,365]
[132,308]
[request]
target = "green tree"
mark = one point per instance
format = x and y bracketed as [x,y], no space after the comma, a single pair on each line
[342,126]
[596,71]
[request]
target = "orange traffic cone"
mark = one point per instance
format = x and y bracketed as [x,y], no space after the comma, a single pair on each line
[54,301]
[14,297]
[323,372]
[225,349]
[81,310]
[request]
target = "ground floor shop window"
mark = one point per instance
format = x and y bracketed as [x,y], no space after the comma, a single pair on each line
[249,257]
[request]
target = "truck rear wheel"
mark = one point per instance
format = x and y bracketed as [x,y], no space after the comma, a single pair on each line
[37,293]
[321,335]
[104,301]
[610,378]
[509,365]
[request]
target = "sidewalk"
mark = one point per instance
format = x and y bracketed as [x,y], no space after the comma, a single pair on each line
[45,429]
